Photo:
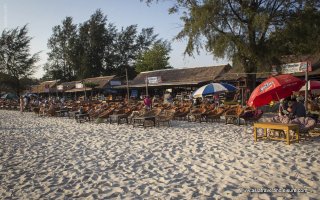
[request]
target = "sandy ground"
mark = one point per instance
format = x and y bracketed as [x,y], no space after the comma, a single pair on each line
[57,158]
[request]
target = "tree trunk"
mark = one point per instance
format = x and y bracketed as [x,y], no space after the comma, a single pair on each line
[251,81]
[18,89]
[251,69]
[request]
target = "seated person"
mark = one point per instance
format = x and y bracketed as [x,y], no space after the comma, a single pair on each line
[296,109]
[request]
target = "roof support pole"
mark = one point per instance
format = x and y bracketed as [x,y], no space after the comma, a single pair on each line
[147,86]
[128,94]
[306,91]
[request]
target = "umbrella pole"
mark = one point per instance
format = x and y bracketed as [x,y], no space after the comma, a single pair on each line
[306,92]
[277,96]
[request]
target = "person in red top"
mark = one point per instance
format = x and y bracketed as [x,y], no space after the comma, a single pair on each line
[147,102]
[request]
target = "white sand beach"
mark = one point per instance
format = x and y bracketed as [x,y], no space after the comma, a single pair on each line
[57,158]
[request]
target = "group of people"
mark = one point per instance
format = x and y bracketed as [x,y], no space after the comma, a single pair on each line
[26,102]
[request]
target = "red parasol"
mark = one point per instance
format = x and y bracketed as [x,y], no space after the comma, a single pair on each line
[312,85]
[274,89]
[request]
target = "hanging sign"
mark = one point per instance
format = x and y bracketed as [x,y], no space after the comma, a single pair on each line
[79,85]
[296,67]
[59,87]
[154,80]
[114,83]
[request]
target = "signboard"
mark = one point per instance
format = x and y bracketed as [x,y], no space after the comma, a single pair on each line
[154,80]
[79,85]
[113,83]
[295,67]
[59,87]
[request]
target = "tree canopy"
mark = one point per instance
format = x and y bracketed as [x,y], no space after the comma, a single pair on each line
[95,47]
[244,31]
[62,60]
[154,59]
[15,58]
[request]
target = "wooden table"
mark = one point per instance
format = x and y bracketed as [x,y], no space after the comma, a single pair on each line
[82,117]
[118,117]
[141,121]
[62,113]
[276,126]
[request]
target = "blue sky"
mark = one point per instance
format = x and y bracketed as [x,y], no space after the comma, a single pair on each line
[42,15]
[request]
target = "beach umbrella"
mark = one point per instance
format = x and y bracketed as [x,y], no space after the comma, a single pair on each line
[9,96]
[274,89]
[312,85]
[213,88]
[31,95]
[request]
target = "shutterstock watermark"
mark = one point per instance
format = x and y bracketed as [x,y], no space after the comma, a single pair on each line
[272,190]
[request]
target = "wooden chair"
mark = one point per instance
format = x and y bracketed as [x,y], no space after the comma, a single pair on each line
[181,114]
[233,115]
[251,116]
[215,115]
[165,118]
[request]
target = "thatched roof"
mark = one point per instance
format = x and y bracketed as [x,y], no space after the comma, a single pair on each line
[101,81]
[41,88]
[234,74]
[185,76]
[68,85]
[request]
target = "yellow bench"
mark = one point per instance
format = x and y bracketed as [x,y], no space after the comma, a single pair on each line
[277,126]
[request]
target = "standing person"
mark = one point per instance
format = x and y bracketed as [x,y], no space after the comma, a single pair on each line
[21,104]
[147,102]
[216,100]
[26,102]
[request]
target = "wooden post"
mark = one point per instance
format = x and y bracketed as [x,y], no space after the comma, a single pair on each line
[56,89]
[128,93]
[306,91]
[147,86]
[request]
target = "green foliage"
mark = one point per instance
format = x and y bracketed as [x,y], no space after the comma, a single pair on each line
[300,36]
[15,58]
[90,84]
[247,31]
[154,59]
[62,60]
[95,48]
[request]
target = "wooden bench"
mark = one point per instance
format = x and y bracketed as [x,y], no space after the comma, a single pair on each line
[82,117]
[141,121]
[118,118]
[277,126]
[62,113]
